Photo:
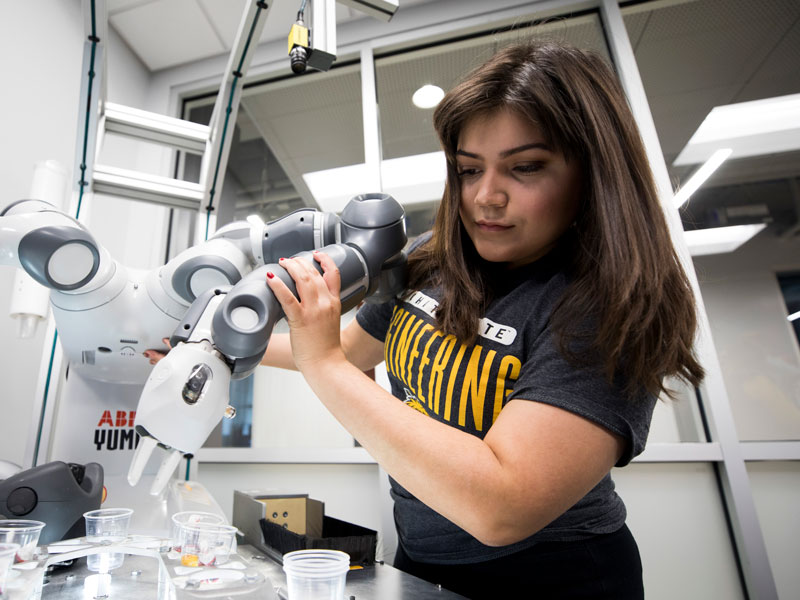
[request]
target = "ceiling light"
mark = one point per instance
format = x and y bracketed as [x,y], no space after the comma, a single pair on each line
[717,240]
[765,126]
[794,316]
[699,177]
[427,96]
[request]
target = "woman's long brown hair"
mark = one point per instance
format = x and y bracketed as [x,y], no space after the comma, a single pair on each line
[629,306]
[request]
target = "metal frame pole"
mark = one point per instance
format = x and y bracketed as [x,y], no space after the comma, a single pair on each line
[226,107]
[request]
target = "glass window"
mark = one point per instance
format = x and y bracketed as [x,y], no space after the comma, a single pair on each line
[790,288]
[700,56]
[286,128]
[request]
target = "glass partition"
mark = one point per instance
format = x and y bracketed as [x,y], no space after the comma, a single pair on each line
[716,74]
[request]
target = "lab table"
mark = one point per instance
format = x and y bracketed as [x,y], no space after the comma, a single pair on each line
[155,574]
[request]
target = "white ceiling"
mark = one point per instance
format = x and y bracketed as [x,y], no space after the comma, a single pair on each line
[168,33]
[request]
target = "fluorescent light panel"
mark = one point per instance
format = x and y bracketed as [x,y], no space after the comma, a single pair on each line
[765,126]
[794,316]
[717,240]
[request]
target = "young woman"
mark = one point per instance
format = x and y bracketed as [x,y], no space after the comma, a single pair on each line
[540,318]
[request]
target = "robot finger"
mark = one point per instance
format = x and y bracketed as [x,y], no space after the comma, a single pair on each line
[168,465]
[140,457]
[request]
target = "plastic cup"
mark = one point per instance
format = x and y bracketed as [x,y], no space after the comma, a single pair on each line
[106,526]
[22,532]
[316,574]
[191,517]
[206,545]
[7,554]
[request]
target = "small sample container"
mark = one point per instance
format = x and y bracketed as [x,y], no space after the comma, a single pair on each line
[191,517]
[7,554]
[206,545]
[23,532]
[316,574]
[106,526]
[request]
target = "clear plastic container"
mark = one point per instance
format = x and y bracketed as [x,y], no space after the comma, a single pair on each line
[23,532]
[316,574]
[7,554]
[206,545]
[191,517]
[106,526]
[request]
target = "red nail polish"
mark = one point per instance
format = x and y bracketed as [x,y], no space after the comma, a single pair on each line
[280,259]
[270,274]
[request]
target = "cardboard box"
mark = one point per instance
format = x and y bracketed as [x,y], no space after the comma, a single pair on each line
[299,514]
[296,512]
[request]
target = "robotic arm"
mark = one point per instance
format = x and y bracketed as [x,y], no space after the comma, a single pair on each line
[213,297]
[226,331]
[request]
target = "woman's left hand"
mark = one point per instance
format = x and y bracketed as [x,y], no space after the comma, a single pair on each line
[314,319]
[156,355]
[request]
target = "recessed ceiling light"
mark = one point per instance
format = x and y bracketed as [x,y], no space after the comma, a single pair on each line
[427,96]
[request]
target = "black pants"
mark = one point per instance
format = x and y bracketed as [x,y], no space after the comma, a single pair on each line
[604,566]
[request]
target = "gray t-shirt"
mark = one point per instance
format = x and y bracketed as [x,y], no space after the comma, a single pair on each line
[466,386]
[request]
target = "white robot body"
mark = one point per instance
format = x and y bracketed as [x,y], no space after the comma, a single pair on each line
[105,332]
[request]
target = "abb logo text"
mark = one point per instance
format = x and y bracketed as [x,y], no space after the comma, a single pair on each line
[116,432]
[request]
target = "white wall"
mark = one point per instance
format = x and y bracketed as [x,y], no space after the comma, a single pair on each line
[675,514]
[776,490]
[41,45]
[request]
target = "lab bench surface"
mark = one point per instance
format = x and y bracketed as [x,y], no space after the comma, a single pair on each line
[144,577]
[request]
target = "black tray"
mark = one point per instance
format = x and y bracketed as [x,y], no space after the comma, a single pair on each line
[359,542]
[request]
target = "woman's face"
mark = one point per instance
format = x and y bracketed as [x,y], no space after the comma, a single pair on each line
[518,195]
